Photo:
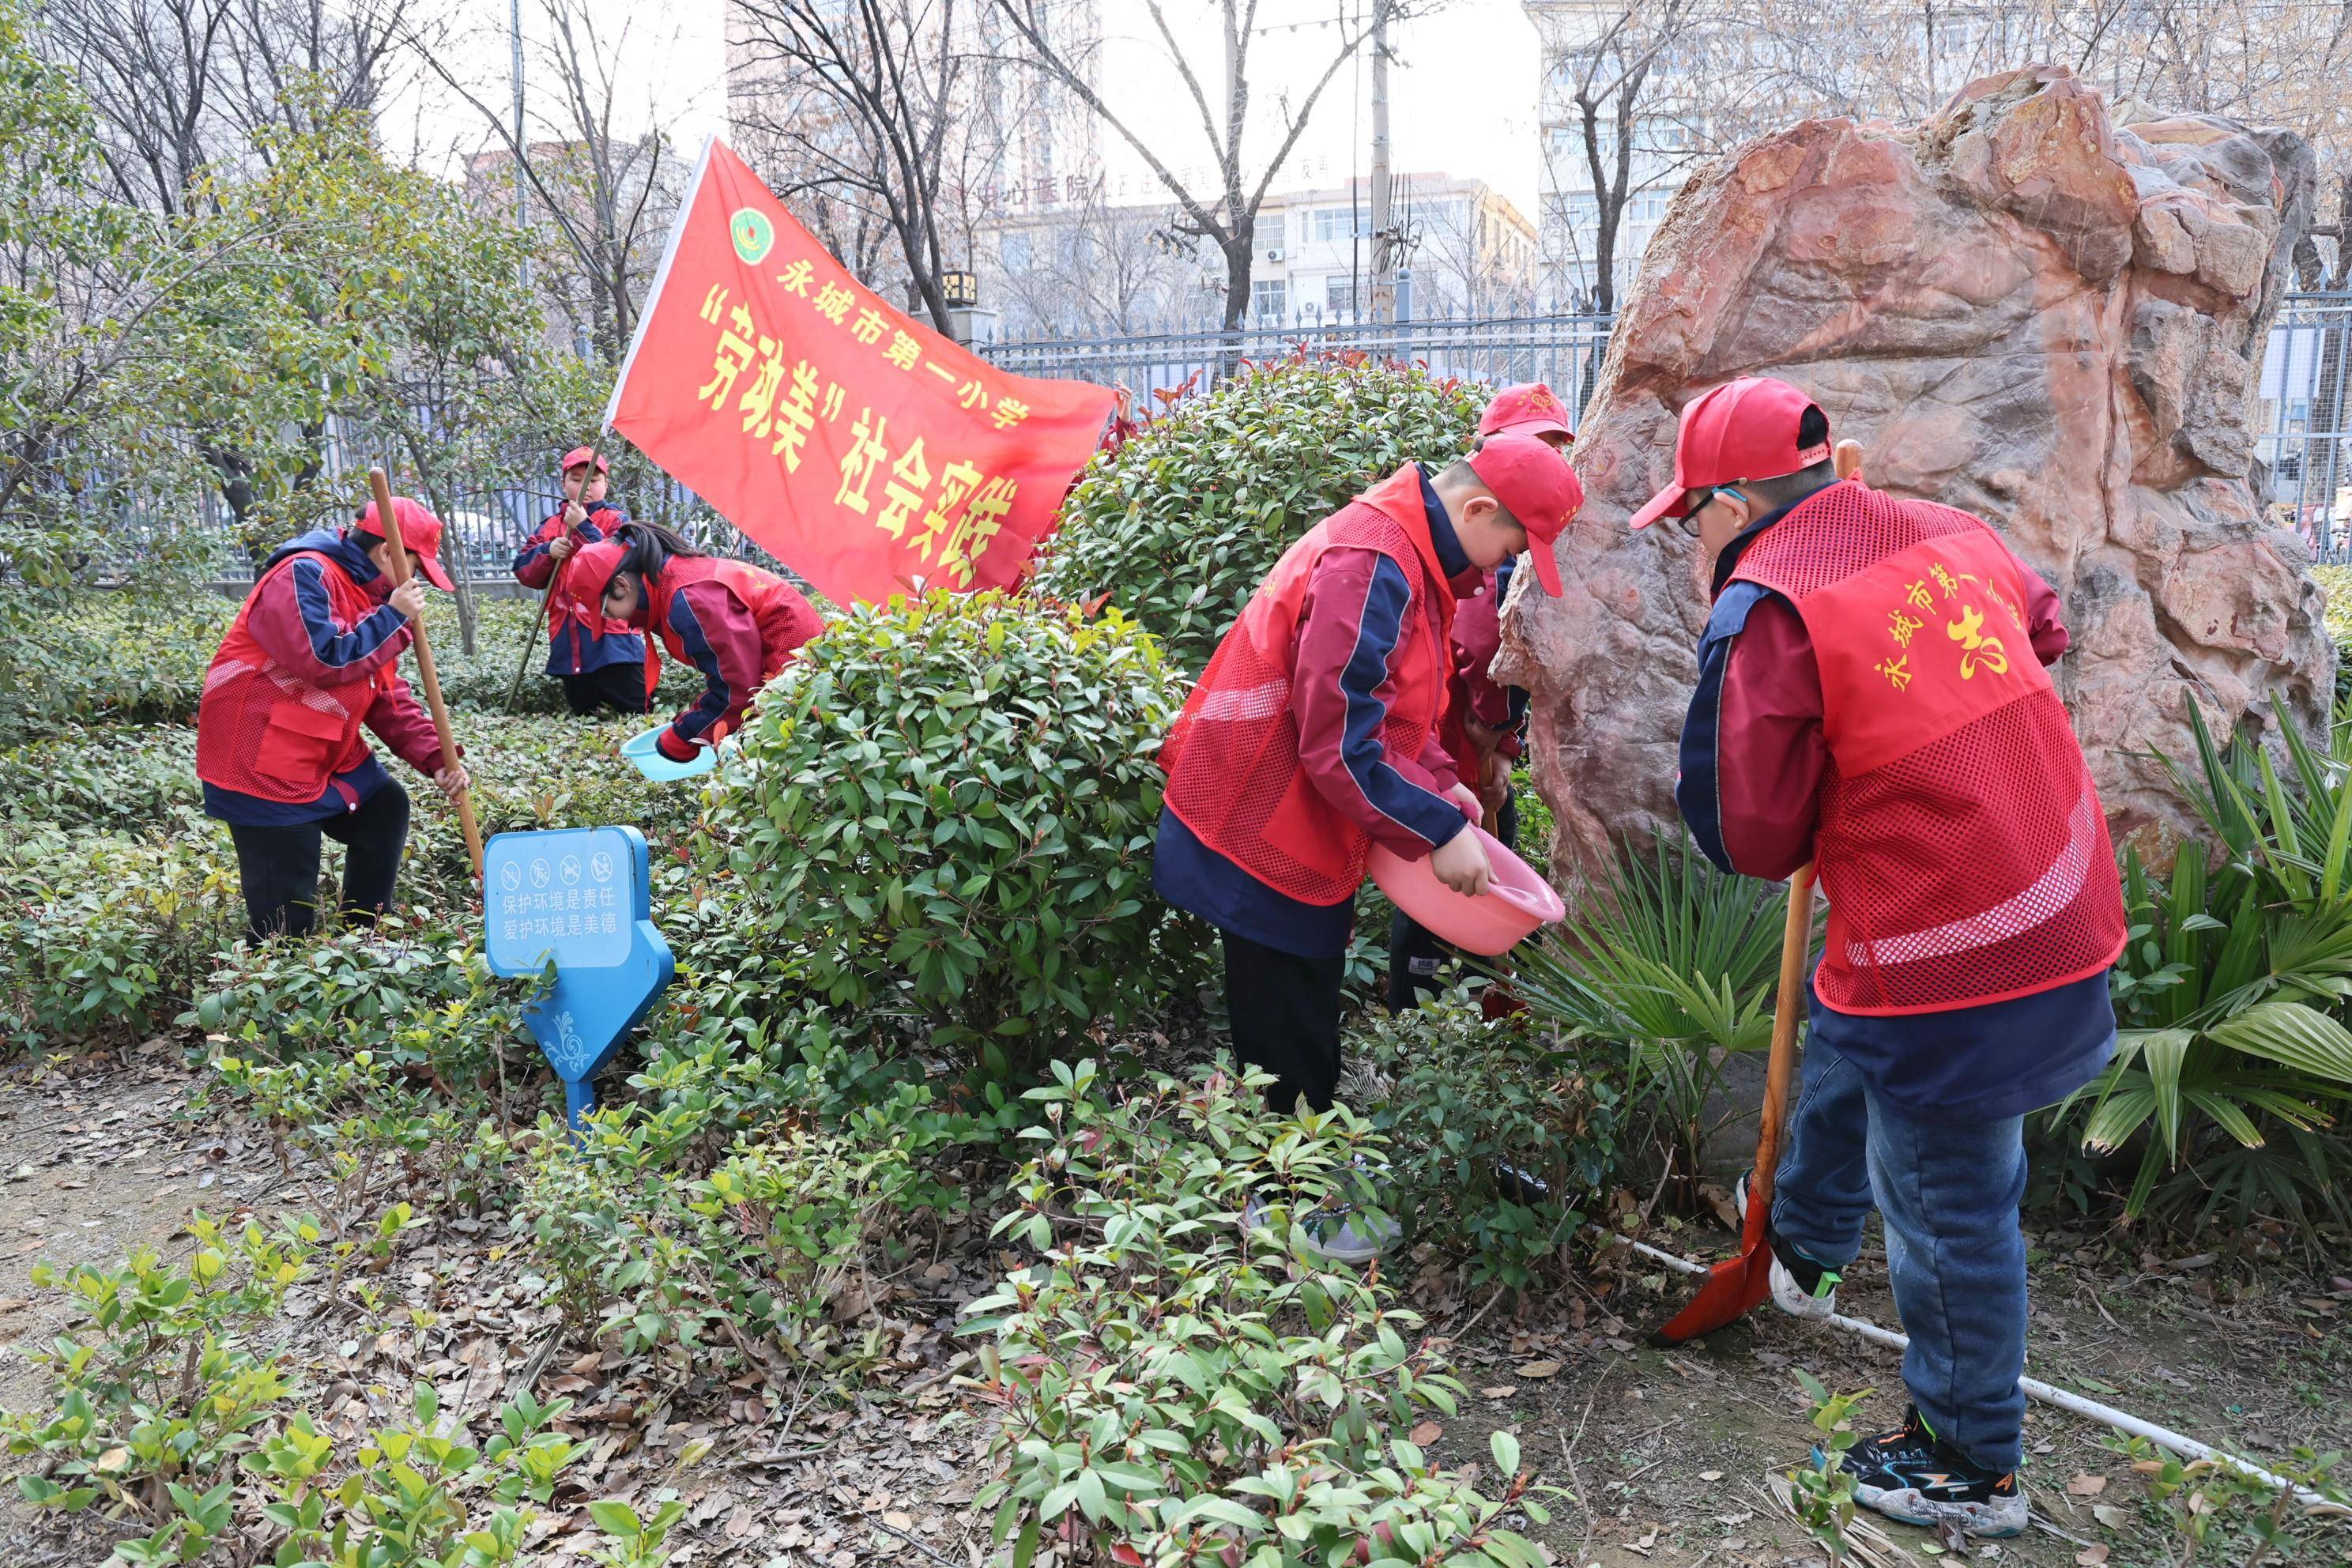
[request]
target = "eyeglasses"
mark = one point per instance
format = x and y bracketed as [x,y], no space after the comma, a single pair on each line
[1690,519]
[1705,498]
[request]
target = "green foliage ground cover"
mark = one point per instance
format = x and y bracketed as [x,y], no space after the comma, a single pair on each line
[771,1144]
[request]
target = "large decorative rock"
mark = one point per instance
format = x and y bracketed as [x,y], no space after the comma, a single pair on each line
[2019,309]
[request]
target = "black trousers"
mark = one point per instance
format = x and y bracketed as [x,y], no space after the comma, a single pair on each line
[1286,1018]
[620,687]
[280,866]
[1417,960]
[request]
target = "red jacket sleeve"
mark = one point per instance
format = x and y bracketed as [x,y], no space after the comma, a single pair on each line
[533,566]
[294,620]
[715,631]
[1753,755]
[403,725]
[2045,615]
[1357,605]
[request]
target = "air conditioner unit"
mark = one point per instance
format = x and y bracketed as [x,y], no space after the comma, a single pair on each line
[1275,255]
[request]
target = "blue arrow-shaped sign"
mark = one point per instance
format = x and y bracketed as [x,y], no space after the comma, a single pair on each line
[582,897]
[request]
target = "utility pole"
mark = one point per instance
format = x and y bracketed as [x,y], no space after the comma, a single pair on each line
[1383,216]
[522,203]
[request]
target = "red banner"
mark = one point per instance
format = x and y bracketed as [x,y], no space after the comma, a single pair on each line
[865,451]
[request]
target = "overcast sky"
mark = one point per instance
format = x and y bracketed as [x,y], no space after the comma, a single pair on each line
[1463,89]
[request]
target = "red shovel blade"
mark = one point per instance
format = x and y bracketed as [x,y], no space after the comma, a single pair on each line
[1732,1286]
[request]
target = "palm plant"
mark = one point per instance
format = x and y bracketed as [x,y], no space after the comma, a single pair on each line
[2231,988]
[1675,962]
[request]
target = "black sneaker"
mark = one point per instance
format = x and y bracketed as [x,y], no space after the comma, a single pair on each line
[1801,1286]
[1912,1476]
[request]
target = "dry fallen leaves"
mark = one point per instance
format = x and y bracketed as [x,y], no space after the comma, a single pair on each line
[1428,1432]
[2091,1556]
[1539,1369]
[2111,1516]
[2084,1485]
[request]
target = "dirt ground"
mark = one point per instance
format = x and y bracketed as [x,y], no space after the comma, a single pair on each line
[1667,1455]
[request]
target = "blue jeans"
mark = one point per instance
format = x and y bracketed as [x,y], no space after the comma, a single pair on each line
[1950,1193]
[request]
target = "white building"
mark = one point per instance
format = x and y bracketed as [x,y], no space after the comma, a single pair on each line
[1069,264]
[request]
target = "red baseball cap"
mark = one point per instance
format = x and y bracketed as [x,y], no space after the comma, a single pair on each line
[579,455]
[420,530]
[1744,429]
[1540,489]
[591,570]
[1533,410]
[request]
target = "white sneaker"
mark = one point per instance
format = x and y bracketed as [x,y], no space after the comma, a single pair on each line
[1801,1286]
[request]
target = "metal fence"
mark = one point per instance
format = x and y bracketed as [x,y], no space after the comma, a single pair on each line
[2302,427]
[2301,423]
[2302,435]
[1565,351]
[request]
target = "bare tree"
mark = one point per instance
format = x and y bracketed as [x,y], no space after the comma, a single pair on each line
[1636,116]
[297,62]
[1224,215]
[149,69]
[864,102]
[595,159]
[183,86]
[1095,270]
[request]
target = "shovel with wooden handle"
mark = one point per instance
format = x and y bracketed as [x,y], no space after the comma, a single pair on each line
[1733,1287]
[381,490]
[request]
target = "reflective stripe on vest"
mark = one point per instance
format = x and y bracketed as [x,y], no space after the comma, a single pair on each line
[1959,839]
[1232,756]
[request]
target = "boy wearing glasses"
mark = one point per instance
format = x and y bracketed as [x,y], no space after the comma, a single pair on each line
[1872,697]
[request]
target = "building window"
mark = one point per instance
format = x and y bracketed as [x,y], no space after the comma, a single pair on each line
[1269,299]
[1339,296]
[1342,223]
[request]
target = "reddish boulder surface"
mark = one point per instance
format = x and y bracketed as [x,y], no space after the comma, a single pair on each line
[2018,308]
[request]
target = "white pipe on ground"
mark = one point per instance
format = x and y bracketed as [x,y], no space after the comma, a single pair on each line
[2122,1421]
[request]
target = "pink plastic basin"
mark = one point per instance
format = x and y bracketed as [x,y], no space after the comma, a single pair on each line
[1491,924]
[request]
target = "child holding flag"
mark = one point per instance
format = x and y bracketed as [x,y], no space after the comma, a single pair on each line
[313,655]
[597,669]
[1315,731]
[738,625]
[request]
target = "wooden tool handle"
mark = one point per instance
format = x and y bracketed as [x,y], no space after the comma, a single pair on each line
[1796,946]
[382,487]
[1847,459]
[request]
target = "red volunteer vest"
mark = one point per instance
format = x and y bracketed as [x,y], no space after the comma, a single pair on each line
[1474,639]
[263,730]
[781,612]
[1232,756]
[1961,841]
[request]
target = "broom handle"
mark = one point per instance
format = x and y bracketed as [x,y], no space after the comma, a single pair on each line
[538,625]
[1796,946]
[400,569]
